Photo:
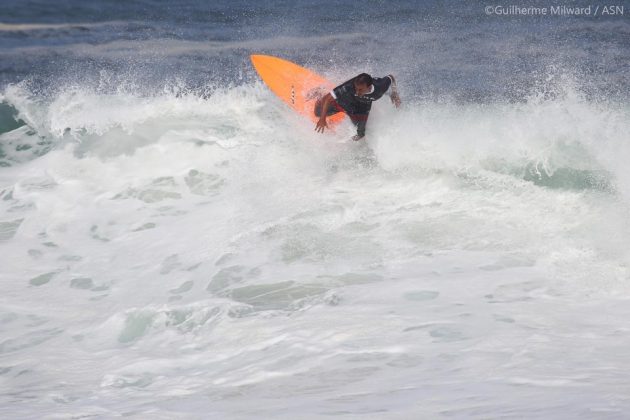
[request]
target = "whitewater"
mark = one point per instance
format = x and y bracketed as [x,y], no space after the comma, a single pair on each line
[187,247]
[170,254]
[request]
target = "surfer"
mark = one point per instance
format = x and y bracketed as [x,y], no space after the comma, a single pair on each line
[355,98]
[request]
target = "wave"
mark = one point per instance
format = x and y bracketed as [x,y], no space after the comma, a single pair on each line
[557,141]
[168,47]
[24,27]
[8,120]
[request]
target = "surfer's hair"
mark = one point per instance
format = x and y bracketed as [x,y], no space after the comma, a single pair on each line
[363,79]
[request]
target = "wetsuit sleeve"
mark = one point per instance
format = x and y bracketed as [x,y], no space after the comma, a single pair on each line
[382,85]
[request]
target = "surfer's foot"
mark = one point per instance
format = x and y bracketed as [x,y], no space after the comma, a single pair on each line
[357,137]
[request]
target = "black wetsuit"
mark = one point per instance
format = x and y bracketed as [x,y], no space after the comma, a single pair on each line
[357,107]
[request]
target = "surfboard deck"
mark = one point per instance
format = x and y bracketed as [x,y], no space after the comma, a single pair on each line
[297,86]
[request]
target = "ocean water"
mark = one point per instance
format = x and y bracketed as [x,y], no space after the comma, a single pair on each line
[175,243]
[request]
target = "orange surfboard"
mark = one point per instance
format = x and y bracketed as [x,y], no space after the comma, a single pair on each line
[296,86]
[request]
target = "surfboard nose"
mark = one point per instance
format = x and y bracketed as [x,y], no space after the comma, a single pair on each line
[258,58]
[293,84]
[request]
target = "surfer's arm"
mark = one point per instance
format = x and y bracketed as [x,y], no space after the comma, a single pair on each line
[393,94]
[321,124]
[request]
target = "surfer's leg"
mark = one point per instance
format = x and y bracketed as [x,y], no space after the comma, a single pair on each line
[359,117]
[360,121]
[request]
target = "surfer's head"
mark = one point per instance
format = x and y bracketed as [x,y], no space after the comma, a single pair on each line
[363,84]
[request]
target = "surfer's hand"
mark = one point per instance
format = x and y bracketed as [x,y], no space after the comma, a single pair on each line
[321,125]
[357,137]
[396,100]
